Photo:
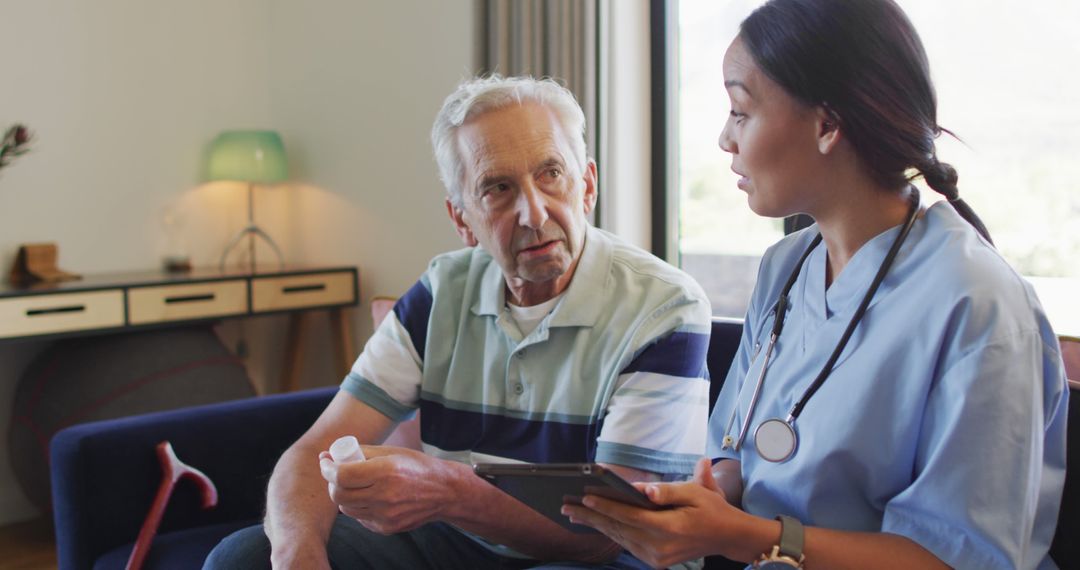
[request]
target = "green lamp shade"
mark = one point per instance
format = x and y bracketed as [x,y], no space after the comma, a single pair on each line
[247,156]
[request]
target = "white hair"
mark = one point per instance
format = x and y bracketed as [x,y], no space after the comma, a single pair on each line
[474,97]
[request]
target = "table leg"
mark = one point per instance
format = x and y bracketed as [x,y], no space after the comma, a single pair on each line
[341,331]
[341,339]
[294,352]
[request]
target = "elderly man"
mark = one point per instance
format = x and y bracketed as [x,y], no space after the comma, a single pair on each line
[546,340]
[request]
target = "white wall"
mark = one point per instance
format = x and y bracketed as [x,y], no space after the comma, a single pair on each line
[363,116]
[123,95]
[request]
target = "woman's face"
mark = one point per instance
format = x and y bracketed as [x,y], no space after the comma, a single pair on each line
[772,137]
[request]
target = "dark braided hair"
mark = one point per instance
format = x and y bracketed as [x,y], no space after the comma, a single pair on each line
[942,177]
[864,63]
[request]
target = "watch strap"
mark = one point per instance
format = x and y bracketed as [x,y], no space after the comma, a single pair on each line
[791,537]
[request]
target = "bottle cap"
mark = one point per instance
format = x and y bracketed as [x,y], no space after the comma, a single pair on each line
[346,449]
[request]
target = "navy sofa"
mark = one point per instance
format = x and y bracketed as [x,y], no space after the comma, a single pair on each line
[105,475]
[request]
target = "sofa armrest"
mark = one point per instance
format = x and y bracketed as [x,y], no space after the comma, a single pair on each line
[723,344]
[105,474]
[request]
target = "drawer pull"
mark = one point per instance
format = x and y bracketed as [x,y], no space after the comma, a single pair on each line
[304,288]
[55,310]
[189,298]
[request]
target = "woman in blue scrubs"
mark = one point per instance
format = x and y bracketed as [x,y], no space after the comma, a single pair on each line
[898,400]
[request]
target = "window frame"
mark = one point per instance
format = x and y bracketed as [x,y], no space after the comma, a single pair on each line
[663,86]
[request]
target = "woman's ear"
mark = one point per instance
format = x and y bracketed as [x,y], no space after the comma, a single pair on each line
[460,225]
[829,133]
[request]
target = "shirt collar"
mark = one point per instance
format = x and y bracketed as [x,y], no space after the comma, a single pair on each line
[579,306]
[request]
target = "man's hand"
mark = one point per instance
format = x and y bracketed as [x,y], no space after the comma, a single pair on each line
[393,490]
[396,490]
[299,514]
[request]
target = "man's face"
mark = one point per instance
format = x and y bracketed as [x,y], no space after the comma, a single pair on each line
[525,198]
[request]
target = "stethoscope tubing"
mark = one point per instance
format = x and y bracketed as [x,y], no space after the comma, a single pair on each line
[890,257]
[754,398]
[780,310]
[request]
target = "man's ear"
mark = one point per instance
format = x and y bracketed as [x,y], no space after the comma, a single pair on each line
[590,186]
[828,129]
[460,225]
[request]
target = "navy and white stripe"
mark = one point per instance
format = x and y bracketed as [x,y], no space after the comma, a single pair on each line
[620,382]
[413,311]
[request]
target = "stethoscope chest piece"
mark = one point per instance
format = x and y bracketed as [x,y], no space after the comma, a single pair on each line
[775,440]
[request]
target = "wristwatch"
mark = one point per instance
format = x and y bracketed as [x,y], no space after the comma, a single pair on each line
[788,554]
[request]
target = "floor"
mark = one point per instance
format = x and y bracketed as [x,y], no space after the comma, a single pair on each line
[28,545]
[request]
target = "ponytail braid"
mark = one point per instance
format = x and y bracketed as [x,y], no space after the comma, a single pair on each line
[942,177]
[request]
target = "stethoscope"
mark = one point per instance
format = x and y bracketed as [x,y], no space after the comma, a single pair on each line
[776,439]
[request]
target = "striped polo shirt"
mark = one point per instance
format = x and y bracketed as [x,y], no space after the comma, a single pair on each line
[615,373]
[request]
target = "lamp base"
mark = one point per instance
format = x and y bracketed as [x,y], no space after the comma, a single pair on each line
[253,232]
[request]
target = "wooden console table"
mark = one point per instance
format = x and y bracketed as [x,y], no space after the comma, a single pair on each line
[118,302]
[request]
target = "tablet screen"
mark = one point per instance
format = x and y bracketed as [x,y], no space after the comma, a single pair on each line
[546,487]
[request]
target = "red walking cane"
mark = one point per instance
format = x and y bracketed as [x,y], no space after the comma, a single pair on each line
[173,469]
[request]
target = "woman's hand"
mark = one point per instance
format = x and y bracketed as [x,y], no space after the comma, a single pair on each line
[700,521]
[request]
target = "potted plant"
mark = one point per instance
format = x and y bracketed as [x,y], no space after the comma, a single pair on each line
[16,142]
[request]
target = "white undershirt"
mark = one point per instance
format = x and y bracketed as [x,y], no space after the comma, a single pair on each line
[527,318]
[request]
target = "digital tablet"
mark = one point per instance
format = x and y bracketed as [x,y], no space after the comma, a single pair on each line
[546,487]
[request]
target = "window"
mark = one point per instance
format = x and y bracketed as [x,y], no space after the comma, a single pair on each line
[1005,87]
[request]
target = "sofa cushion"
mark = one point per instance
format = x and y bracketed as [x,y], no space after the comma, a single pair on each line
[180,550]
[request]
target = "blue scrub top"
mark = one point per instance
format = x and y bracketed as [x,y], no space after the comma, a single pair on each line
[944,418]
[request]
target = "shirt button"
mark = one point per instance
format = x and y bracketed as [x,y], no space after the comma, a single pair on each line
[518,388]
[521,353]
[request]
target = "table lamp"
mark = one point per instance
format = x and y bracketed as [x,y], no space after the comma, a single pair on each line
[255,157]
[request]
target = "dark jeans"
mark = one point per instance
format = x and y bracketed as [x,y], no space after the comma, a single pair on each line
[351,546]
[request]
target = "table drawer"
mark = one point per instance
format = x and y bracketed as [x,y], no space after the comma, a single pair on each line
[62,312]
[299,291]
[185,302]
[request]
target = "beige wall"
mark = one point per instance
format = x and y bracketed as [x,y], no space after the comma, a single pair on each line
[124,94]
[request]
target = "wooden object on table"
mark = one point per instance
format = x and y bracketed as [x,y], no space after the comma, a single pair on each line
[177,263]
[38,262]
